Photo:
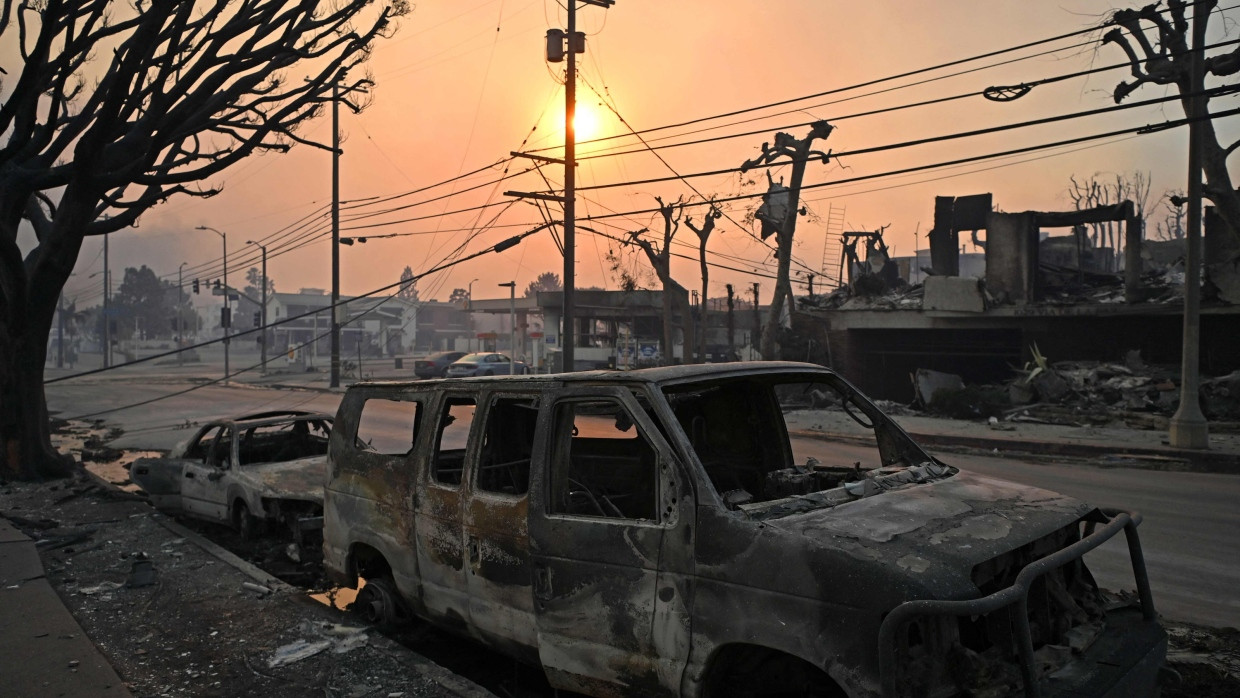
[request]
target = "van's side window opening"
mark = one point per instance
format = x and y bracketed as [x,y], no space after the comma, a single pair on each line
[388,427]
[455,419]
[603,465]
[507,444]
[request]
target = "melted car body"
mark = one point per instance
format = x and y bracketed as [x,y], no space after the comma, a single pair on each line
[247,472]
[672,531]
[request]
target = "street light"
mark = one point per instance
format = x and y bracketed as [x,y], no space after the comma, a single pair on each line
[262,337]
[180,316]
[469,307]
[512,323]
[227,310]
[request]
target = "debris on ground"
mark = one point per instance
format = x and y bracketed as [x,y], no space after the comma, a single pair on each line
[1080,393]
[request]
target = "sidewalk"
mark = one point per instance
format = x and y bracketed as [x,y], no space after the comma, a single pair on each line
[45,651]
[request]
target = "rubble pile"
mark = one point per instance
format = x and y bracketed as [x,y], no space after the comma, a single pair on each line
[1070,286]
[1085,393]
[905,298]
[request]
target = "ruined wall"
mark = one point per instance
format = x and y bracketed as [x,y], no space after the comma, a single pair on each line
[1012,256]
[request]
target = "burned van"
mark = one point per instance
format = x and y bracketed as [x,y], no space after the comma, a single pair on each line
[677,531]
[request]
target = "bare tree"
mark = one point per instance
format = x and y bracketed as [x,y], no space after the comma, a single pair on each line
[1171,227]
[1166,61]
[115,108]
[1104,189]
[661,260]
[703,234]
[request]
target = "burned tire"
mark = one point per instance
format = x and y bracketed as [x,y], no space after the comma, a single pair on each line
[378,603]
[770,675]
[248,526]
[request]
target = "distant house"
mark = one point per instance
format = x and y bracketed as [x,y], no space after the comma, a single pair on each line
[371,326]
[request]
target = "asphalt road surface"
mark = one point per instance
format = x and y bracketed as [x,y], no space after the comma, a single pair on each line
[1190,533]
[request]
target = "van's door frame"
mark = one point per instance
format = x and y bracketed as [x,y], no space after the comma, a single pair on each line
[612,615]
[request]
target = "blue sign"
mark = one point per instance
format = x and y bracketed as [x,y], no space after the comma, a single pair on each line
[550,339]
[648,351]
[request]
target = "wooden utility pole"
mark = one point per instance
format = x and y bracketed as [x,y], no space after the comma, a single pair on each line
[731,323]
[783,222]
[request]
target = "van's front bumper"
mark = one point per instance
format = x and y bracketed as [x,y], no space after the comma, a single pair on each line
[1123,660]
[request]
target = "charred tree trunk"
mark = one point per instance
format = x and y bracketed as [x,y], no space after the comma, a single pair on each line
[31,291]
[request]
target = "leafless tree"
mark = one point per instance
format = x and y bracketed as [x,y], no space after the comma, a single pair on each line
[703,233]
[1171,227]
[116,107]
[1166,60]
[1103,189]
[661,260]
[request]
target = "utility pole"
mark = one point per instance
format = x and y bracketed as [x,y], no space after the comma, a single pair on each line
[262,336]
[783,222]
[335,318]
[335,309]
[107,315]
[555,53]
[180,316]
[731,323]
[226,316]
[757,320]
[1188,426]
[512,323]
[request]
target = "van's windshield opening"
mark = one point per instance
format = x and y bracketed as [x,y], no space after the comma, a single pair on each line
[764,439]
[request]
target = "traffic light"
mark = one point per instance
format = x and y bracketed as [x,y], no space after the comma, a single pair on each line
[225,317]
[195,286]
[258,318]
[217,284]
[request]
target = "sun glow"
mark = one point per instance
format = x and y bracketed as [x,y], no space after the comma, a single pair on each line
[587,122]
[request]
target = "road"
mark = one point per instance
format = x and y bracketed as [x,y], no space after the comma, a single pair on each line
[1190,533]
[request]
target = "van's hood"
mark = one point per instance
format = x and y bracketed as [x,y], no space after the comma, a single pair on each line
[303,478]
[939,530]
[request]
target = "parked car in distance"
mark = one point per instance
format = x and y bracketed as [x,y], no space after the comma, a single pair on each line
[689,531]
[248,472]
[435,365]
[485,364]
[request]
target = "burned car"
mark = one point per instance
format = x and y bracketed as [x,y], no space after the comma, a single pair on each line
[248,472]
[673,531]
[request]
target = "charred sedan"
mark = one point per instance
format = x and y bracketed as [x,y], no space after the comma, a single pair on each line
[676,532]
[485,364]
[260,469]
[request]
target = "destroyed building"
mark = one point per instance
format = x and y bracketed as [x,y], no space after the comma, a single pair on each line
[1042,286]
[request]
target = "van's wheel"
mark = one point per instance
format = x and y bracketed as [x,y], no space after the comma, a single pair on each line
[378,603]
[248,526]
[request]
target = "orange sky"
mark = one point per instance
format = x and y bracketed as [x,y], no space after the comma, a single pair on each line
[455,95]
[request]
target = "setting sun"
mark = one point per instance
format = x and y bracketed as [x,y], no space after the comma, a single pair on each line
[587,122]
